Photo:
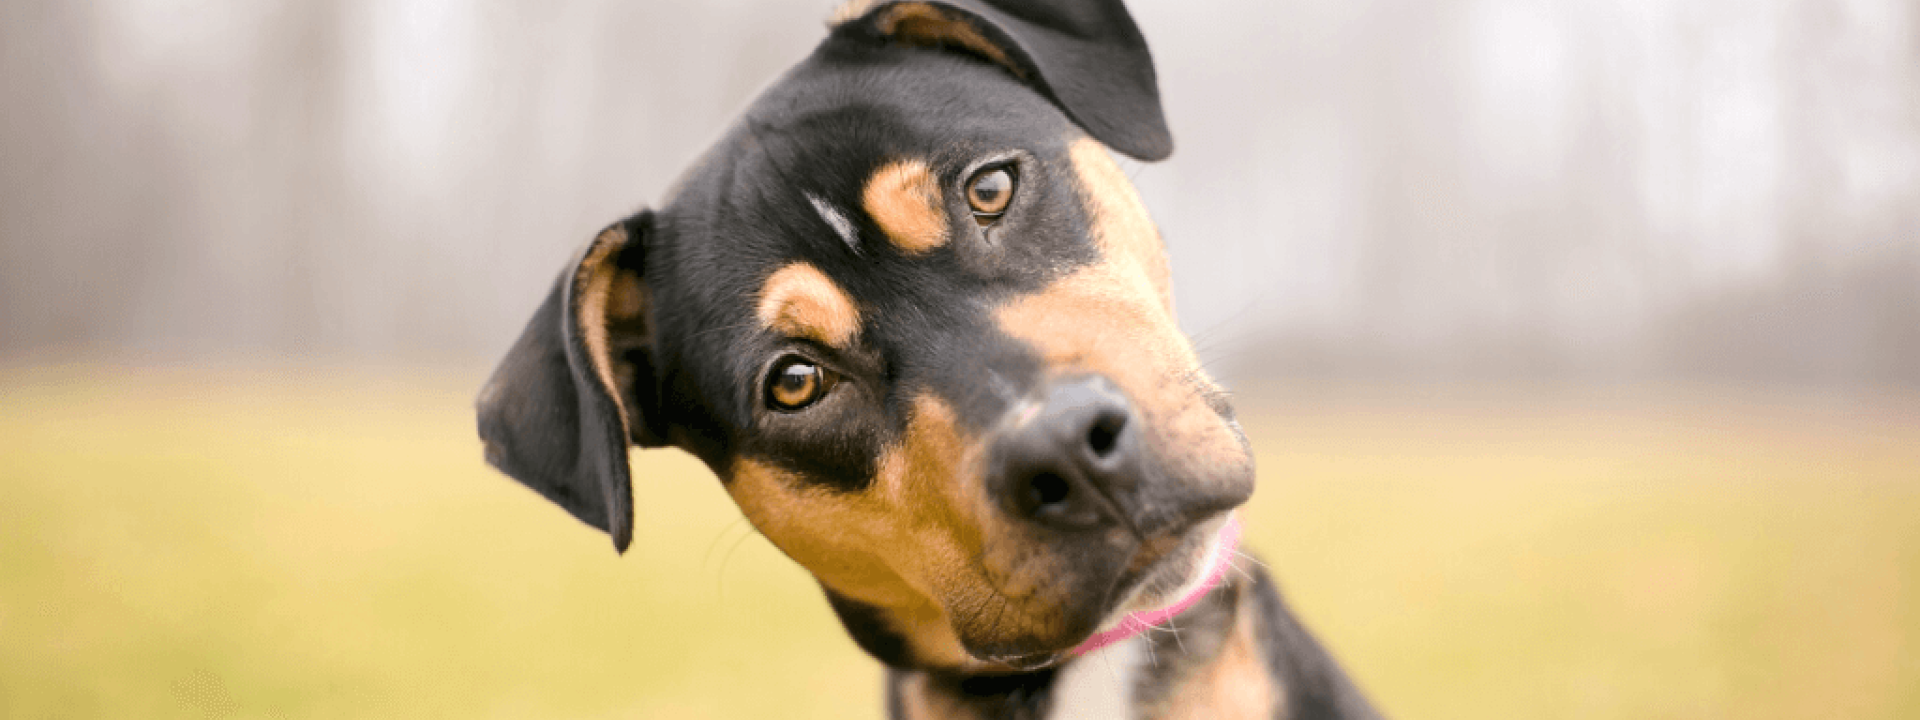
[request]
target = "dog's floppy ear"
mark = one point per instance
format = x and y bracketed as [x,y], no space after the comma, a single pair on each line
[1087,56]
[578,385]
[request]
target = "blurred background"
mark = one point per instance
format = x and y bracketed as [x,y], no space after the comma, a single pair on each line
[1579,343]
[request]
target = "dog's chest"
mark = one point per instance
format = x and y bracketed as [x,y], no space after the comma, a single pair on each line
[1100,685]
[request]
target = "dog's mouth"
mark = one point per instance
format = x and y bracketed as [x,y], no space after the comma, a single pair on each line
[1163,577]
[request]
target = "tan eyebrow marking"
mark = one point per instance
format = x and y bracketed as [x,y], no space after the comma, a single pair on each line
[800,301]
[903,196]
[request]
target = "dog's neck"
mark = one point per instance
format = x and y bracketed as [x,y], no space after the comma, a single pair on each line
[1208,661]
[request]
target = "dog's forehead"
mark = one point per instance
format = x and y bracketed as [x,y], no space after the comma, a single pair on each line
[794,184]
[896,99]
[836,117]
[798,161]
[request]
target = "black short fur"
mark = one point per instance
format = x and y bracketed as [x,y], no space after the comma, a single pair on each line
[690,371]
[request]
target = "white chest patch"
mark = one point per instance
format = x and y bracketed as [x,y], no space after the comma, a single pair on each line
[1099,685]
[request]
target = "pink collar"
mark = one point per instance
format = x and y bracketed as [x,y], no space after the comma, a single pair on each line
[1139,622]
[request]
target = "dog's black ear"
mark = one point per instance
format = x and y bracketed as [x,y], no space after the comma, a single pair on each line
[1087,56]
[578,385]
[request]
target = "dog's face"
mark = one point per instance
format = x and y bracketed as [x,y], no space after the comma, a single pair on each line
[916,319]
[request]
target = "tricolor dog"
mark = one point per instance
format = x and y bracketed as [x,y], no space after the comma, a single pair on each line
[917,321]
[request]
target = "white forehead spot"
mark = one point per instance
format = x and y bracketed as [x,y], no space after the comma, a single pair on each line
[837,219]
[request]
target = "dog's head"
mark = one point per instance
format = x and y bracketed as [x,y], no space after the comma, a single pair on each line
[913,315]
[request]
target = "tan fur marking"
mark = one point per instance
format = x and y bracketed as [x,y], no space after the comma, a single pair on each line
[1115,318]
[903,196]
[977,583]
[800,301]
[1122,225]
[924,24]
[607,296]
[919,543]
[795,517]
[908,544]
[849,11]
[1236,684]
[1108,319]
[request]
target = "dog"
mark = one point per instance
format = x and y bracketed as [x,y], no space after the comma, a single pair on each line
[917,321]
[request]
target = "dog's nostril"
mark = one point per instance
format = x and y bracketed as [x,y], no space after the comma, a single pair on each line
[1104,434]
[1049,489]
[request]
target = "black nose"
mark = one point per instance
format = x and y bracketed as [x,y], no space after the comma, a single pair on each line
[1075,461]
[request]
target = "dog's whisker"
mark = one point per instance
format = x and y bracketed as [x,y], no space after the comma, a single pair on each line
[1249,558]
[1175,629]
[707,556]
[720,577]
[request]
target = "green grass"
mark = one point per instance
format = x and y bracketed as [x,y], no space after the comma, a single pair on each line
[192,543]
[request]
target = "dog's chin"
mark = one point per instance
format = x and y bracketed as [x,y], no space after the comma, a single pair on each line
[1032,650]
[1160,573]
[1176,572]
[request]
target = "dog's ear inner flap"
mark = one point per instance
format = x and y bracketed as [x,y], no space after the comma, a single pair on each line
[1087,56]
[577,387]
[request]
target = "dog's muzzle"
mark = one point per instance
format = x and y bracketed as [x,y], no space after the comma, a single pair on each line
[1077,460]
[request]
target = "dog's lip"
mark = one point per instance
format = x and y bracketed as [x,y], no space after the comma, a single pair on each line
[1028,662]
[1203,561]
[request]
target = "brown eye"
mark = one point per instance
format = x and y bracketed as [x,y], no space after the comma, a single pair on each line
[795,384]
[989,193]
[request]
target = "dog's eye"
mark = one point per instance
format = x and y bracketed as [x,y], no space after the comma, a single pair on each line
[989,192]
[796,383]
